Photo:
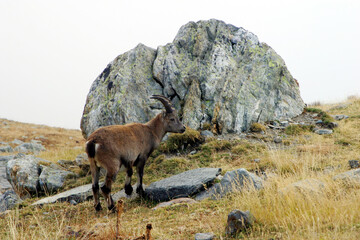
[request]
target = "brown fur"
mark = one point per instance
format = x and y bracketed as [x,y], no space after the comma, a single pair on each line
[123,147]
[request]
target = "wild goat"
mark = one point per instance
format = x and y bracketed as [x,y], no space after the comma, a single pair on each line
[120,147]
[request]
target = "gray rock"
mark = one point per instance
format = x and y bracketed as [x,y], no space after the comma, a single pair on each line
[284,123]
[238,221]
[277,140]
[323,131]
[215,72]
[51,179]
[352,176]
[207,133]
[8,200]
[23,173]
[121,194]
[6,148]
[204,236]
[307,186]
[121,93]
[354,164]
[78,195]
[83,162]
[182,185]
[30,147]
[175,201]
[232,181]
[17,142]
[340,117]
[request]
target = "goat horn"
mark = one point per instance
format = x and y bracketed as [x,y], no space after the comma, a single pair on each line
[165,101]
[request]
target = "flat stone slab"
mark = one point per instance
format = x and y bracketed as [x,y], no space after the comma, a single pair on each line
[175,201]
[78,194]
[232,181]
[185,184]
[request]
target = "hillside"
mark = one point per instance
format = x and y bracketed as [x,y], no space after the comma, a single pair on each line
[329,212]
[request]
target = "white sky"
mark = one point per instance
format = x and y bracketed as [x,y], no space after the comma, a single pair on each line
[52,51]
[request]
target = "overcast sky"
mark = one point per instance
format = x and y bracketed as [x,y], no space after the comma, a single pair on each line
[52,51]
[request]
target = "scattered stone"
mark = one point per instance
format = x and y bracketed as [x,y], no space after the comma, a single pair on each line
[257,160]
[284,123]
[193,152]
[239,221]
[311,185]
[354,164]
[352,176]
[207,133]
[277,139]
[324,131]
[182,185]
[30,147]
[8,200]
[17,142]
[78,194]
[340,117]
[73,202]
[175,201]
[204,236]
[51,179]
[232,181]
[6,148]
[83,162]
[23,173]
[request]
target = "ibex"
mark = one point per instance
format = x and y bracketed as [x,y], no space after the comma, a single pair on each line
[120,147]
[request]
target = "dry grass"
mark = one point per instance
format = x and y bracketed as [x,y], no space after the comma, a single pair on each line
[332,213]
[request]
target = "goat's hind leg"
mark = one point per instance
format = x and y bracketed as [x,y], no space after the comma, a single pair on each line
[95,173]
[106,190]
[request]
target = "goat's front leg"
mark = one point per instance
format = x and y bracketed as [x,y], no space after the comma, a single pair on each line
[128,187]
[140,174]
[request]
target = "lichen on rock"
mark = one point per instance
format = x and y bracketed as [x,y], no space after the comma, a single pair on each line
[214,73]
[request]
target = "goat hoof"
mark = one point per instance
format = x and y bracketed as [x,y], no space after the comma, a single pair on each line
[141,192]
[98,207]
[128,189]
[112,208]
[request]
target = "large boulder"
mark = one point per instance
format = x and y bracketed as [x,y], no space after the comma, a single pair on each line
[213,72]
[182,185]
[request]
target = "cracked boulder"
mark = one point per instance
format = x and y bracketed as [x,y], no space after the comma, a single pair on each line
[214,73]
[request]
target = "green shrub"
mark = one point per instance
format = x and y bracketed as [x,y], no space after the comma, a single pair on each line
[257,127]
[297,129]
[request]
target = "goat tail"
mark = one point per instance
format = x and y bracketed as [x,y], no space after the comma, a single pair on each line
[90,149]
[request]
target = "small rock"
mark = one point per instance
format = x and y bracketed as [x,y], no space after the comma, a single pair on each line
[257,160]
[204,236]
[277,140]
[324,131]
[206,133]
[6,148]
[354,164]
[73,202]
[30,147]
[238,221]
[65,163]
[284,123]
[311,185]
[340,117]
[83,162]
[175,201]
[352,176]
[319,122]
[8,200]
[192,152]
[17,142]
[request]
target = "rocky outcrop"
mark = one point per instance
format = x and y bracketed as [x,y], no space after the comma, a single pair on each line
[182,185]
[232,181]
[32,175]
[215,73]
